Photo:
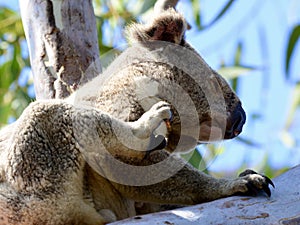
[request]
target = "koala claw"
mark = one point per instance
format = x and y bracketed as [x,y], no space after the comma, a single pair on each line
[256,183]
[151,120]
[162,110]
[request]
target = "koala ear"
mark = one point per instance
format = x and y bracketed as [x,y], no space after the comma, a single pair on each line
[168,26]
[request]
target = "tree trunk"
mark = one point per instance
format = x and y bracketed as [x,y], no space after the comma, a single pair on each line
[283,207]
[63,45]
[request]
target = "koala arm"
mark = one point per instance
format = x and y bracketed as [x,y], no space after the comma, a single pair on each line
[190,186]
[45,151]
[99,134]
[57,127]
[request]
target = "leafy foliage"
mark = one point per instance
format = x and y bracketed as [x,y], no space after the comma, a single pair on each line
[13,92]
[293,39]
[112,16]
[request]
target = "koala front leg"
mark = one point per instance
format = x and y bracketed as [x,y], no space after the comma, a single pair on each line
[151,119]
[190,186]
[144,127]
[97,132]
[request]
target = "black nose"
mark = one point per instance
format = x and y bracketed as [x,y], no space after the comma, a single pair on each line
[235,122]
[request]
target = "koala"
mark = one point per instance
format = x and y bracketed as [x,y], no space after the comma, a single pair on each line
[161,65]
[111,150]
[37,169]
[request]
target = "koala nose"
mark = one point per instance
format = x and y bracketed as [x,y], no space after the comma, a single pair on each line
[235,122]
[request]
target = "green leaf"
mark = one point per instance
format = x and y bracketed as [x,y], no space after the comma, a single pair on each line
[6,75]
[117,5]
[287,139]
[5,111]
[295,102]
[141,7]
[196,12]
[10,22]
[147,5]
[294,37]
[255,116]
[238,53]
[232,72]
[248,142]
[194,158]
[237,62]
[220,14]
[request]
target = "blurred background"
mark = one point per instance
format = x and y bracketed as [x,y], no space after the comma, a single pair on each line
[254,44]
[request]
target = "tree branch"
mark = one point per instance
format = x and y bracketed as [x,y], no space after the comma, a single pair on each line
[283,207]
[162,5]
[63,45]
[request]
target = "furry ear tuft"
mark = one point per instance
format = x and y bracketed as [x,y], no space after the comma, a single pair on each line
[168,26]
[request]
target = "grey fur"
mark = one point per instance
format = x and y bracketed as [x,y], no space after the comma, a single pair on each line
[56,160]
[44,161]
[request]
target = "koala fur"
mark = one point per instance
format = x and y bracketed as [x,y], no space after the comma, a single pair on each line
[37,169]
[56,160]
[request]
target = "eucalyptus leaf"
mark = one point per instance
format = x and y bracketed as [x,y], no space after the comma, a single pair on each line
[194,158]
[196,13]
[232,72]
[293,39]
[220,14]
[295,103]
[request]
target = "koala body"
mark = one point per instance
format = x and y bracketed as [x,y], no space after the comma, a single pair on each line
[90,158]
[41,164]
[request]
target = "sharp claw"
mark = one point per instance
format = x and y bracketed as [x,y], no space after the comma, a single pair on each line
[252,189]
[267,190]
[247,172]
[269,181]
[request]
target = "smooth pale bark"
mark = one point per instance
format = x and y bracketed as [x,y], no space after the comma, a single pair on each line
[282,208]
[63,44]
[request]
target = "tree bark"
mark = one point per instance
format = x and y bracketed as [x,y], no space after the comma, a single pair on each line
[283,207]
[63,45]
[162,5]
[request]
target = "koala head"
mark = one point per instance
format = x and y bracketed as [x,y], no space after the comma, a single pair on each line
[161,65]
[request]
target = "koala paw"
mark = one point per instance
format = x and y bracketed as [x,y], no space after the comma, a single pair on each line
[152,119]
[161,111]
[255,183]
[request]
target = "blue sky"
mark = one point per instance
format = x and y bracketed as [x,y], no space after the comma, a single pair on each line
[12,4]
[263,27]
